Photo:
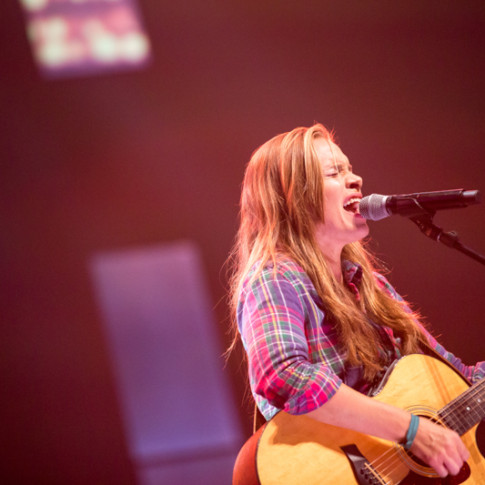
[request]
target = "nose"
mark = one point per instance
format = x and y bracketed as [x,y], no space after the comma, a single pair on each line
[354,181]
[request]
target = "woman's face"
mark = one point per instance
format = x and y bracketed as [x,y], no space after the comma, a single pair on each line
[342,193]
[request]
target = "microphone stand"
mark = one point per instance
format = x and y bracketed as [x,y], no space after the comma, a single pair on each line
[425,223]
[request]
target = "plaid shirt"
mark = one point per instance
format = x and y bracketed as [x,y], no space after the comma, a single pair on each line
[295,364]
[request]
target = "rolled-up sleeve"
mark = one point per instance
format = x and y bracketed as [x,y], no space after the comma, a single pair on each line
[473,372]
[272,321]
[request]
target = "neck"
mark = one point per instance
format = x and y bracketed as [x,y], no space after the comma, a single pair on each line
[332,253]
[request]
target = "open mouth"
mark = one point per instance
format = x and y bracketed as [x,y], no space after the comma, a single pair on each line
[352,205]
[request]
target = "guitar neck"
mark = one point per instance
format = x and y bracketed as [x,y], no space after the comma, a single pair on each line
[466,410]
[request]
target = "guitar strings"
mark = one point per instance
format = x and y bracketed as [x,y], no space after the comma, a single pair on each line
[383,466]
[468,397]
[376,475]
[470,404]
[386,464]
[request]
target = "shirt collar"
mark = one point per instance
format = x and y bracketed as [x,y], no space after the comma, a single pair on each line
[352,272]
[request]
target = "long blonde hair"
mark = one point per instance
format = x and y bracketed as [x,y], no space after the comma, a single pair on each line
[281,200]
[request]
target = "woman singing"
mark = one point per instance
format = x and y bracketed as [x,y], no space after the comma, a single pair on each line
[319,325]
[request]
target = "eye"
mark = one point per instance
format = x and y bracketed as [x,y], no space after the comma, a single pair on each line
[338,169]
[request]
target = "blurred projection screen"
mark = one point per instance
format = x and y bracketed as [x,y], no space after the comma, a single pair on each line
[85,37]
[175,397]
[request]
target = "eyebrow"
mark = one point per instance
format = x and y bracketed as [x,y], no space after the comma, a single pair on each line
[341,165]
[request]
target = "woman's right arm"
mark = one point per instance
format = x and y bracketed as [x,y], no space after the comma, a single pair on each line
[436,445]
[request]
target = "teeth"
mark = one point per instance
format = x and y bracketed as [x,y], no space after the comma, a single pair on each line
[352,201]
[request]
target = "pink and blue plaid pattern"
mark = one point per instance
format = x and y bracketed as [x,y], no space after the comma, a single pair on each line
[295,363]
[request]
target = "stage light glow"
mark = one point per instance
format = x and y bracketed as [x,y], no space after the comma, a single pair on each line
[78,37]
[33,5]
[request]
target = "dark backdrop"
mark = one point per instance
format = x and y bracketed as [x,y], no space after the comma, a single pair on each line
[153,156]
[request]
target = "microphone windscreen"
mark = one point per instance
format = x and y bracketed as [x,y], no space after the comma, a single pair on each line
[373,207]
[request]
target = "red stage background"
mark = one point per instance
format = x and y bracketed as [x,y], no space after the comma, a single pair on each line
[153,156]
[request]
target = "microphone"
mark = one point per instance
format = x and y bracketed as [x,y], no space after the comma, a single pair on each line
[376,207]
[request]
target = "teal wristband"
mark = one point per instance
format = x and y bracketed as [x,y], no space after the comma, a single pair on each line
[411,433]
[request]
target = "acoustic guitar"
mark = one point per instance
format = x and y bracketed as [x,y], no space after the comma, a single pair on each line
[297,450]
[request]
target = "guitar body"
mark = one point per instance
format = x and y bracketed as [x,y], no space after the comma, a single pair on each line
[295,450]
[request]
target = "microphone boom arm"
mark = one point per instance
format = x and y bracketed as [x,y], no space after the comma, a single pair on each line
[425,223]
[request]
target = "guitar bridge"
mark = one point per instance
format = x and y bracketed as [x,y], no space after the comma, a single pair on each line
[364,472]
